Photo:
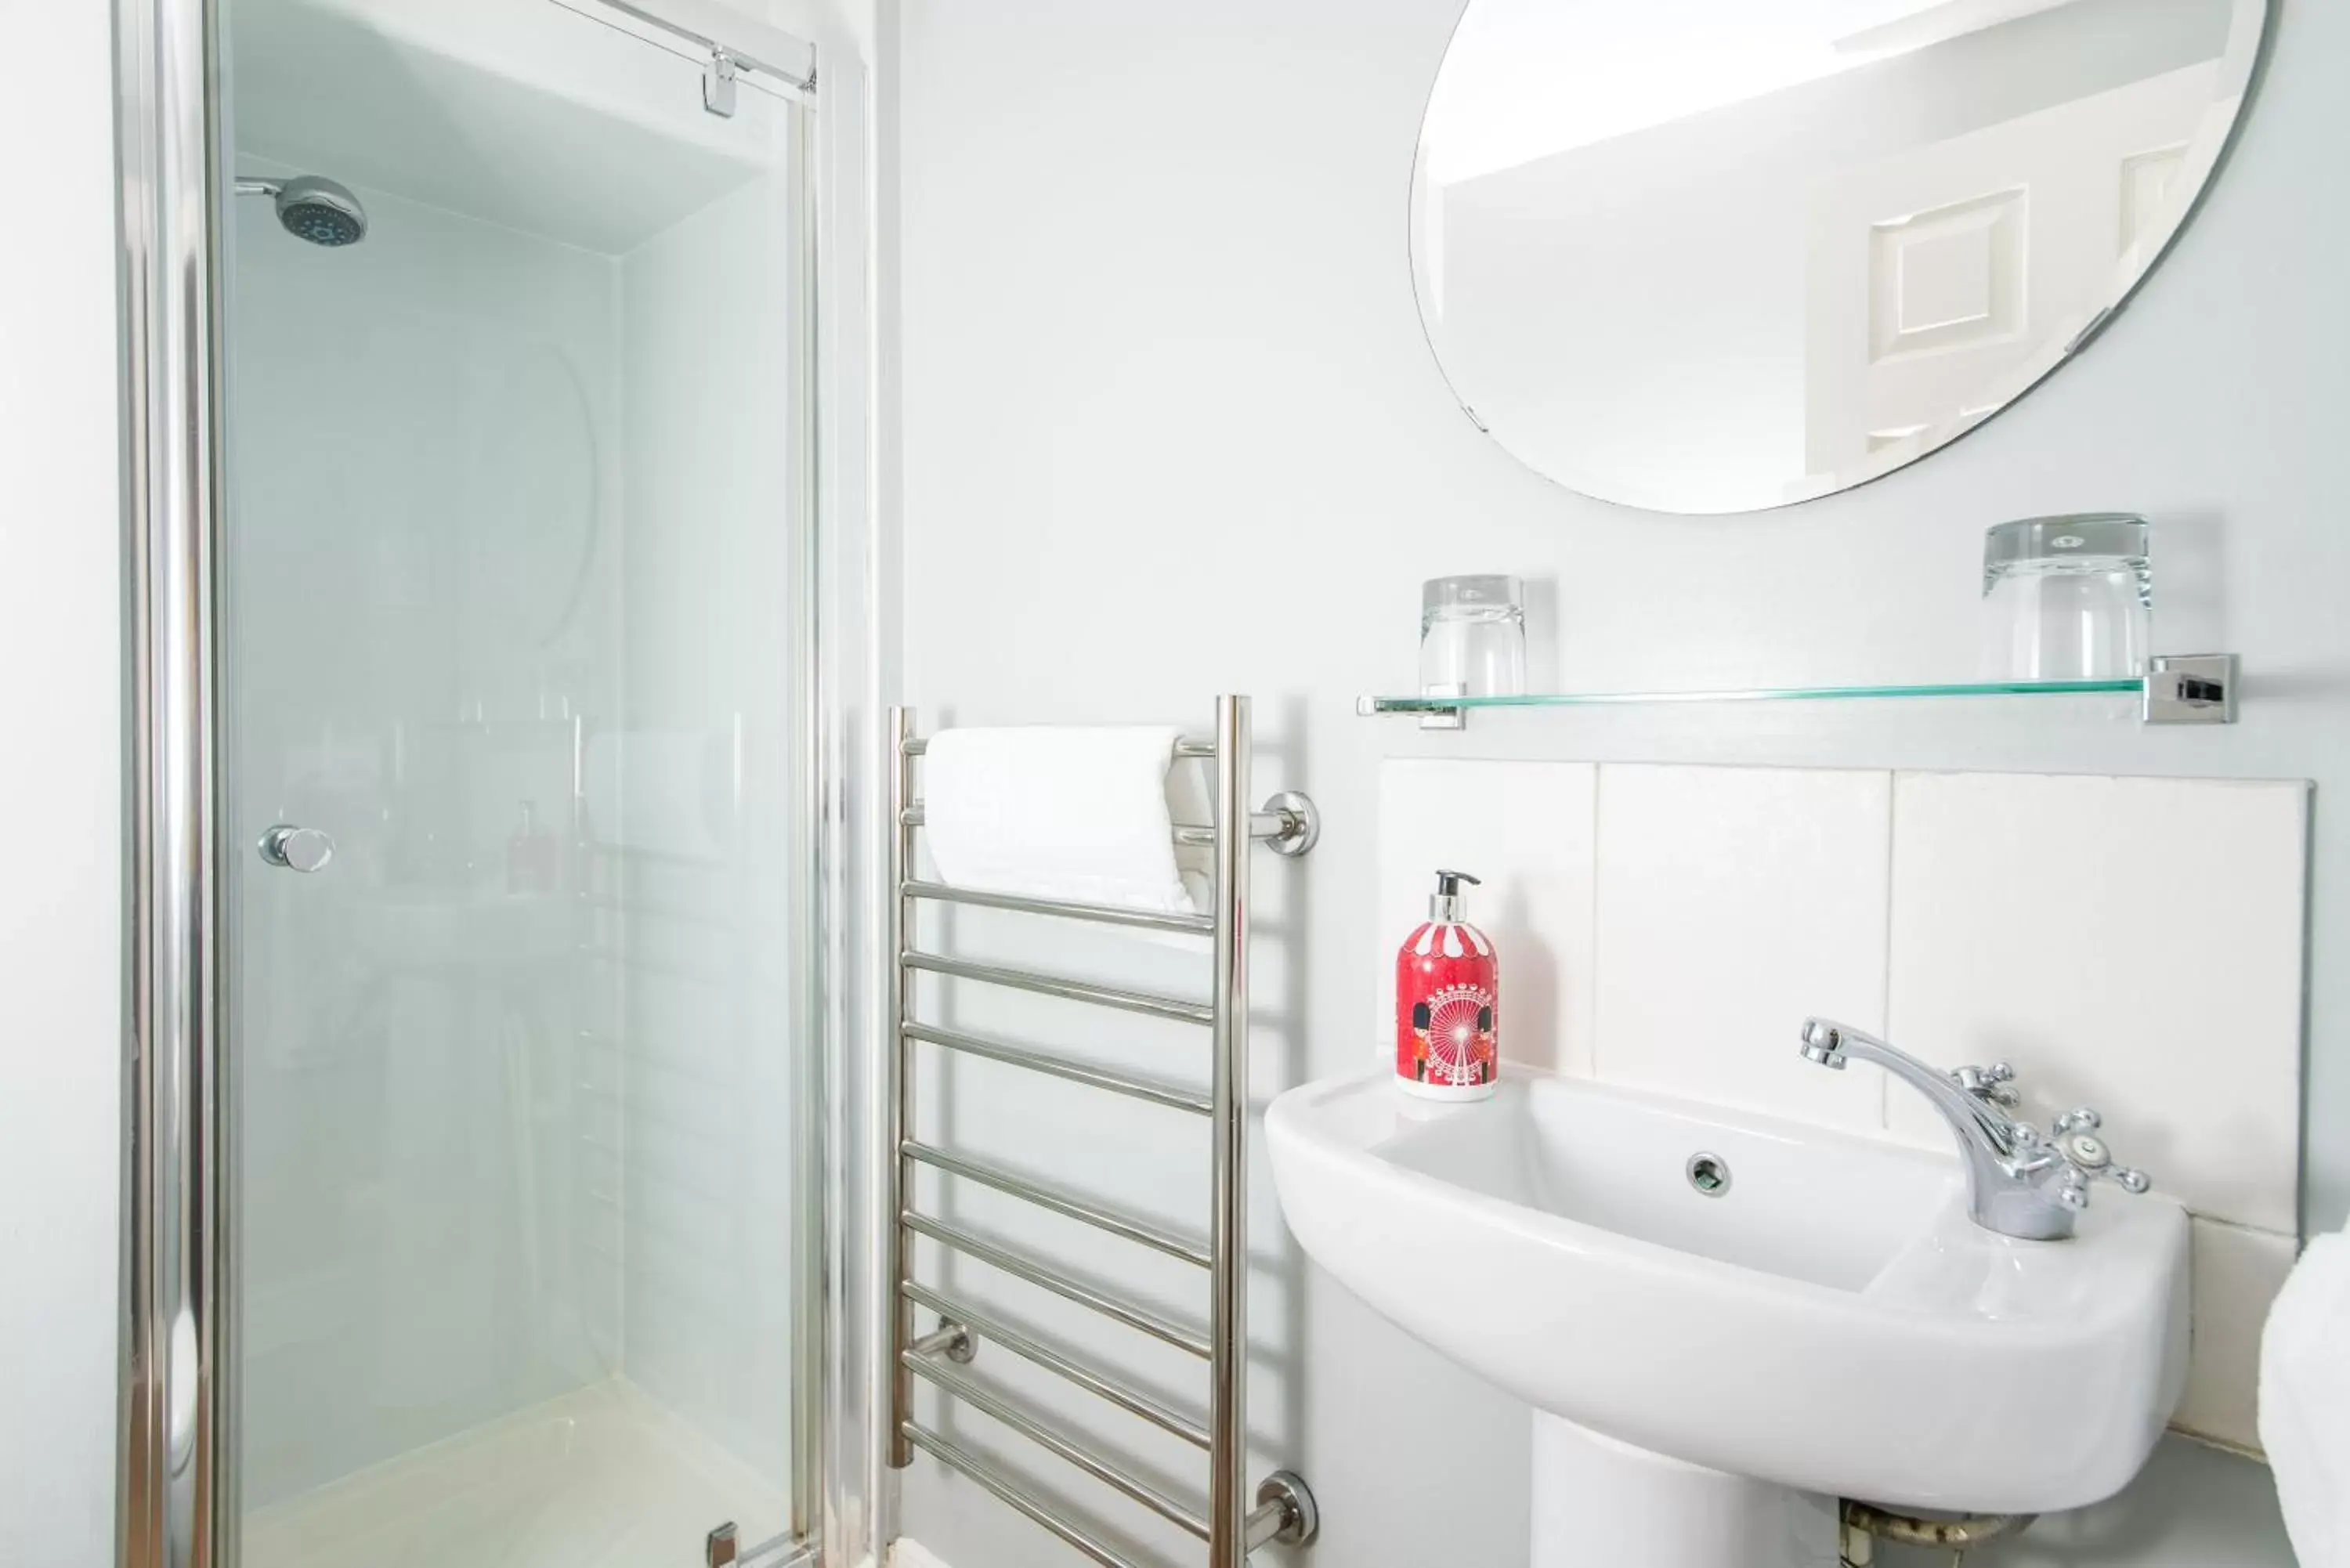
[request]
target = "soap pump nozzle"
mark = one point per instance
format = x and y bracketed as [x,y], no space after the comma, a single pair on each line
[1444,907]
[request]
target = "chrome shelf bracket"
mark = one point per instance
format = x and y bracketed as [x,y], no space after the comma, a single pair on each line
[2190,689]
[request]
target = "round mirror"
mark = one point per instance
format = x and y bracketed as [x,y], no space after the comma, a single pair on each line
[1715,256]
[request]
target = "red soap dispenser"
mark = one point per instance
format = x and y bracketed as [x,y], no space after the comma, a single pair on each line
[1448,1000]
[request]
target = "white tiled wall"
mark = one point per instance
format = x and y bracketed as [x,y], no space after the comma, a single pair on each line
[1733,902]
[2236,1273]
[2136,944]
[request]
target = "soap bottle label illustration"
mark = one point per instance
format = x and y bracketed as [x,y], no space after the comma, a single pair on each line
[1448,999]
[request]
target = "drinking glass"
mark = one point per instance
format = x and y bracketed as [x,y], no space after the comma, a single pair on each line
[1472,637]
[2067,598]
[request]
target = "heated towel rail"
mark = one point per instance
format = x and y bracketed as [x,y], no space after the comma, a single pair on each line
[1281,1508]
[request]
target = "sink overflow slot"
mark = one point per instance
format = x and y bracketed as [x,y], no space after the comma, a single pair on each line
[1710,1174]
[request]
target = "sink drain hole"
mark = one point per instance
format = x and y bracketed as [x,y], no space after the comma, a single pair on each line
[1710,1174]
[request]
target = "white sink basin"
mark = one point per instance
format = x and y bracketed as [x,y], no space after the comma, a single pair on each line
[1831,1322]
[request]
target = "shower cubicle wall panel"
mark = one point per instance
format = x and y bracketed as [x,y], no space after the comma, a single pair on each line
[516,532]
[424,476]
[499,1243]
[707,819]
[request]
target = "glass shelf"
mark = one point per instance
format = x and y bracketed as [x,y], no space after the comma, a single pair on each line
[1757,694]
[2197,689]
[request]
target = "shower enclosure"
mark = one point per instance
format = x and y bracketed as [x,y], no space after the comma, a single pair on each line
[482,742]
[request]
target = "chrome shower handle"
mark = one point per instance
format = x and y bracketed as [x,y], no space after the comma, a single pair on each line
[292,848]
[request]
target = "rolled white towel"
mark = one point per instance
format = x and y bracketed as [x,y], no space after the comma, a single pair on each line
[2306,1402]
[1048,811]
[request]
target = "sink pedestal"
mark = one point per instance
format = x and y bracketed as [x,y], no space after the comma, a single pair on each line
[1596,1501]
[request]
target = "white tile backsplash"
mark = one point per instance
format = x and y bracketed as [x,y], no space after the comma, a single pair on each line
[2236,1274]
[2133,944]
[1525,829]
[1734,902]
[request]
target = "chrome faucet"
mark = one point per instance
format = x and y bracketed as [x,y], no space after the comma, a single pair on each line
[2021,1181]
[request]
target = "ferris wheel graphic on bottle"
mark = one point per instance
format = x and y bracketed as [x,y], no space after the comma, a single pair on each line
[1448,986]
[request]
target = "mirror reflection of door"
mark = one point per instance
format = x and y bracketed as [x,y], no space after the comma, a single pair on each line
[1948,278]
[1704,256]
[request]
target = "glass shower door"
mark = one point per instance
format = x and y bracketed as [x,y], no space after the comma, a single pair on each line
[522,1208]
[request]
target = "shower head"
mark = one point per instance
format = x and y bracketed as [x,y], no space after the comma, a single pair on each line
[313,208]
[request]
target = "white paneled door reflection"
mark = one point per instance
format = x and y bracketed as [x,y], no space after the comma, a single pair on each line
[1945,279]
[1709,256]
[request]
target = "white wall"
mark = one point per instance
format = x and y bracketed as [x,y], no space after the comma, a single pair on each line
[61,881]
[1171,429]
[59,789]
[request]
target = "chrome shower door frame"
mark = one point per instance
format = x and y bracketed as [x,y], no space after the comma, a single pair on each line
[176,1498]
[176,1417]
